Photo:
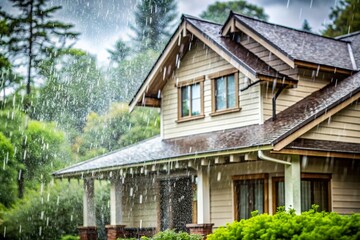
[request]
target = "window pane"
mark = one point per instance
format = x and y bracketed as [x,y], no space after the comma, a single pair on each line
[231,92]
[195,103]
[250,197]
[320,192]
[280,194]
[305,195]
[185,101]
[220,94]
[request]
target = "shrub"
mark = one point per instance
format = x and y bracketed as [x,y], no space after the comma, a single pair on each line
[70,237]
[170,235]
[287,225]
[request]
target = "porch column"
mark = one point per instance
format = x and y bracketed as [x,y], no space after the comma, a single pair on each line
[203,226]
[293,185]
[88,230]
[115,229]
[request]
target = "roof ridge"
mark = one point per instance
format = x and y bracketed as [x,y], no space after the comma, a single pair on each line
[290,28]
[200,19]
[348,35]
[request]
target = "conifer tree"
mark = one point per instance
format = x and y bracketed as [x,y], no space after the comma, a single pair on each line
[153,23]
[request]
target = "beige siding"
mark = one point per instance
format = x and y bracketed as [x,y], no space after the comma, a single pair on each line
[200,61]
[345,184]
[288,97]
[139,202]
[221,187]
[343,126]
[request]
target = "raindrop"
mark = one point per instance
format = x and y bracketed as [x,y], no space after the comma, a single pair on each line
[141,199]
[288,3]
[40,230]
[131,192]
[4,231]
[219,176]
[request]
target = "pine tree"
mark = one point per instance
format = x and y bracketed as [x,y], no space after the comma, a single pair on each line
[153,23]
[306,26]
[219,11]
[33,33]
[345,18]
[120,51]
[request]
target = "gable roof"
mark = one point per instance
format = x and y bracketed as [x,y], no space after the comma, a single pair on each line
[354,38]
[209,33]
[299,45]
[238,140]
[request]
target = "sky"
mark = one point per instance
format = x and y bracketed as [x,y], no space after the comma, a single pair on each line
[102,22]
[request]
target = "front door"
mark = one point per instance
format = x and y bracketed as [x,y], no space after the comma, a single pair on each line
[175,203]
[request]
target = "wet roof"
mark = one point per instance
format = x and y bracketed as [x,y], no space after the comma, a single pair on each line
[354,38]
[301,45]
[332,146]
[269,133]
[239,53]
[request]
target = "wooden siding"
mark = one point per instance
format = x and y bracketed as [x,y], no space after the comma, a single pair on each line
[221,187]
[140,202]
[345,184]
[200,61]
[343,126]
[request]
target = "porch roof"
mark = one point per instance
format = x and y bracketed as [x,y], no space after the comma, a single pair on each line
[248,138]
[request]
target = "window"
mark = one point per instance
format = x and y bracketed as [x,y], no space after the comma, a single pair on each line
[225,89]
[190,96]
[315,189]
[250,193]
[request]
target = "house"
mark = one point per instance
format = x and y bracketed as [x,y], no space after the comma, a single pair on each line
[253,116]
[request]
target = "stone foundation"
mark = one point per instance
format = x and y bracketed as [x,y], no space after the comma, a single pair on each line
[115,231]
[87,233]
[200,229]
[139,232]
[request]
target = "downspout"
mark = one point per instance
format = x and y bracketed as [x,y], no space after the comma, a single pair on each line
[282,87]
[262,156]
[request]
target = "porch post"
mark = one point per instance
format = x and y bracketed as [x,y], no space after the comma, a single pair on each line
[88,230]
[203,226]
[293,185]
[115,229]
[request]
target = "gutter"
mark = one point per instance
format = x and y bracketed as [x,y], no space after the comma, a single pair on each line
[262,156]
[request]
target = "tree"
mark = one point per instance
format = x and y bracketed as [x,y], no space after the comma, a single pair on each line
[153,23]
[114,129]
[306,26]
[120,51]
[39,147]
[74,87]
[33,33]
[345,18]
[8,172]
[219,11]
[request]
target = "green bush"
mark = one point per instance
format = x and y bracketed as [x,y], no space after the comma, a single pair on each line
[70,237]
[171,235]
[287,225]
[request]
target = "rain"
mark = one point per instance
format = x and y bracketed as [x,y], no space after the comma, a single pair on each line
[127,118]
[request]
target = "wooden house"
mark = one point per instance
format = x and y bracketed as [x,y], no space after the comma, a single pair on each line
[253,116]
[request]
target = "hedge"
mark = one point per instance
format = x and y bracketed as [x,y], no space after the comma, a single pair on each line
[287,225]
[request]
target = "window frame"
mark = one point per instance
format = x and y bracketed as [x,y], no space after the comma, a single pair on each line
[213,78]
[191,82]
[259,176]
[305,176]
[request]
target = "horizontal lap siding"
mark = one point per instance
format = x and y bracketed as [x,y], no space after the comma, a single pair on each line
[345,182]
[136,214]
[202,61]
[343,126]
[221,187]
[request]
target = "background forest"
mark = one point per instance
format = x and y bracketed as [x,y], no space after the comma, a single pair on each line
[59,107]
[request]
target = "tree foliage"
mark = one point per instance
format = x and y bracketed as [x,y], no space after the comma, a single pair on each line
[345,18]
[219,11]
[153,23]
[115,129]
[120,51]
[33,32]
[306,26]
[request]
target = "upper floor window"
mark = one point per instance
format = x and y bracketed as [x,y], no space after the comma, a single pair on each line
[190,98]
[225,92]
